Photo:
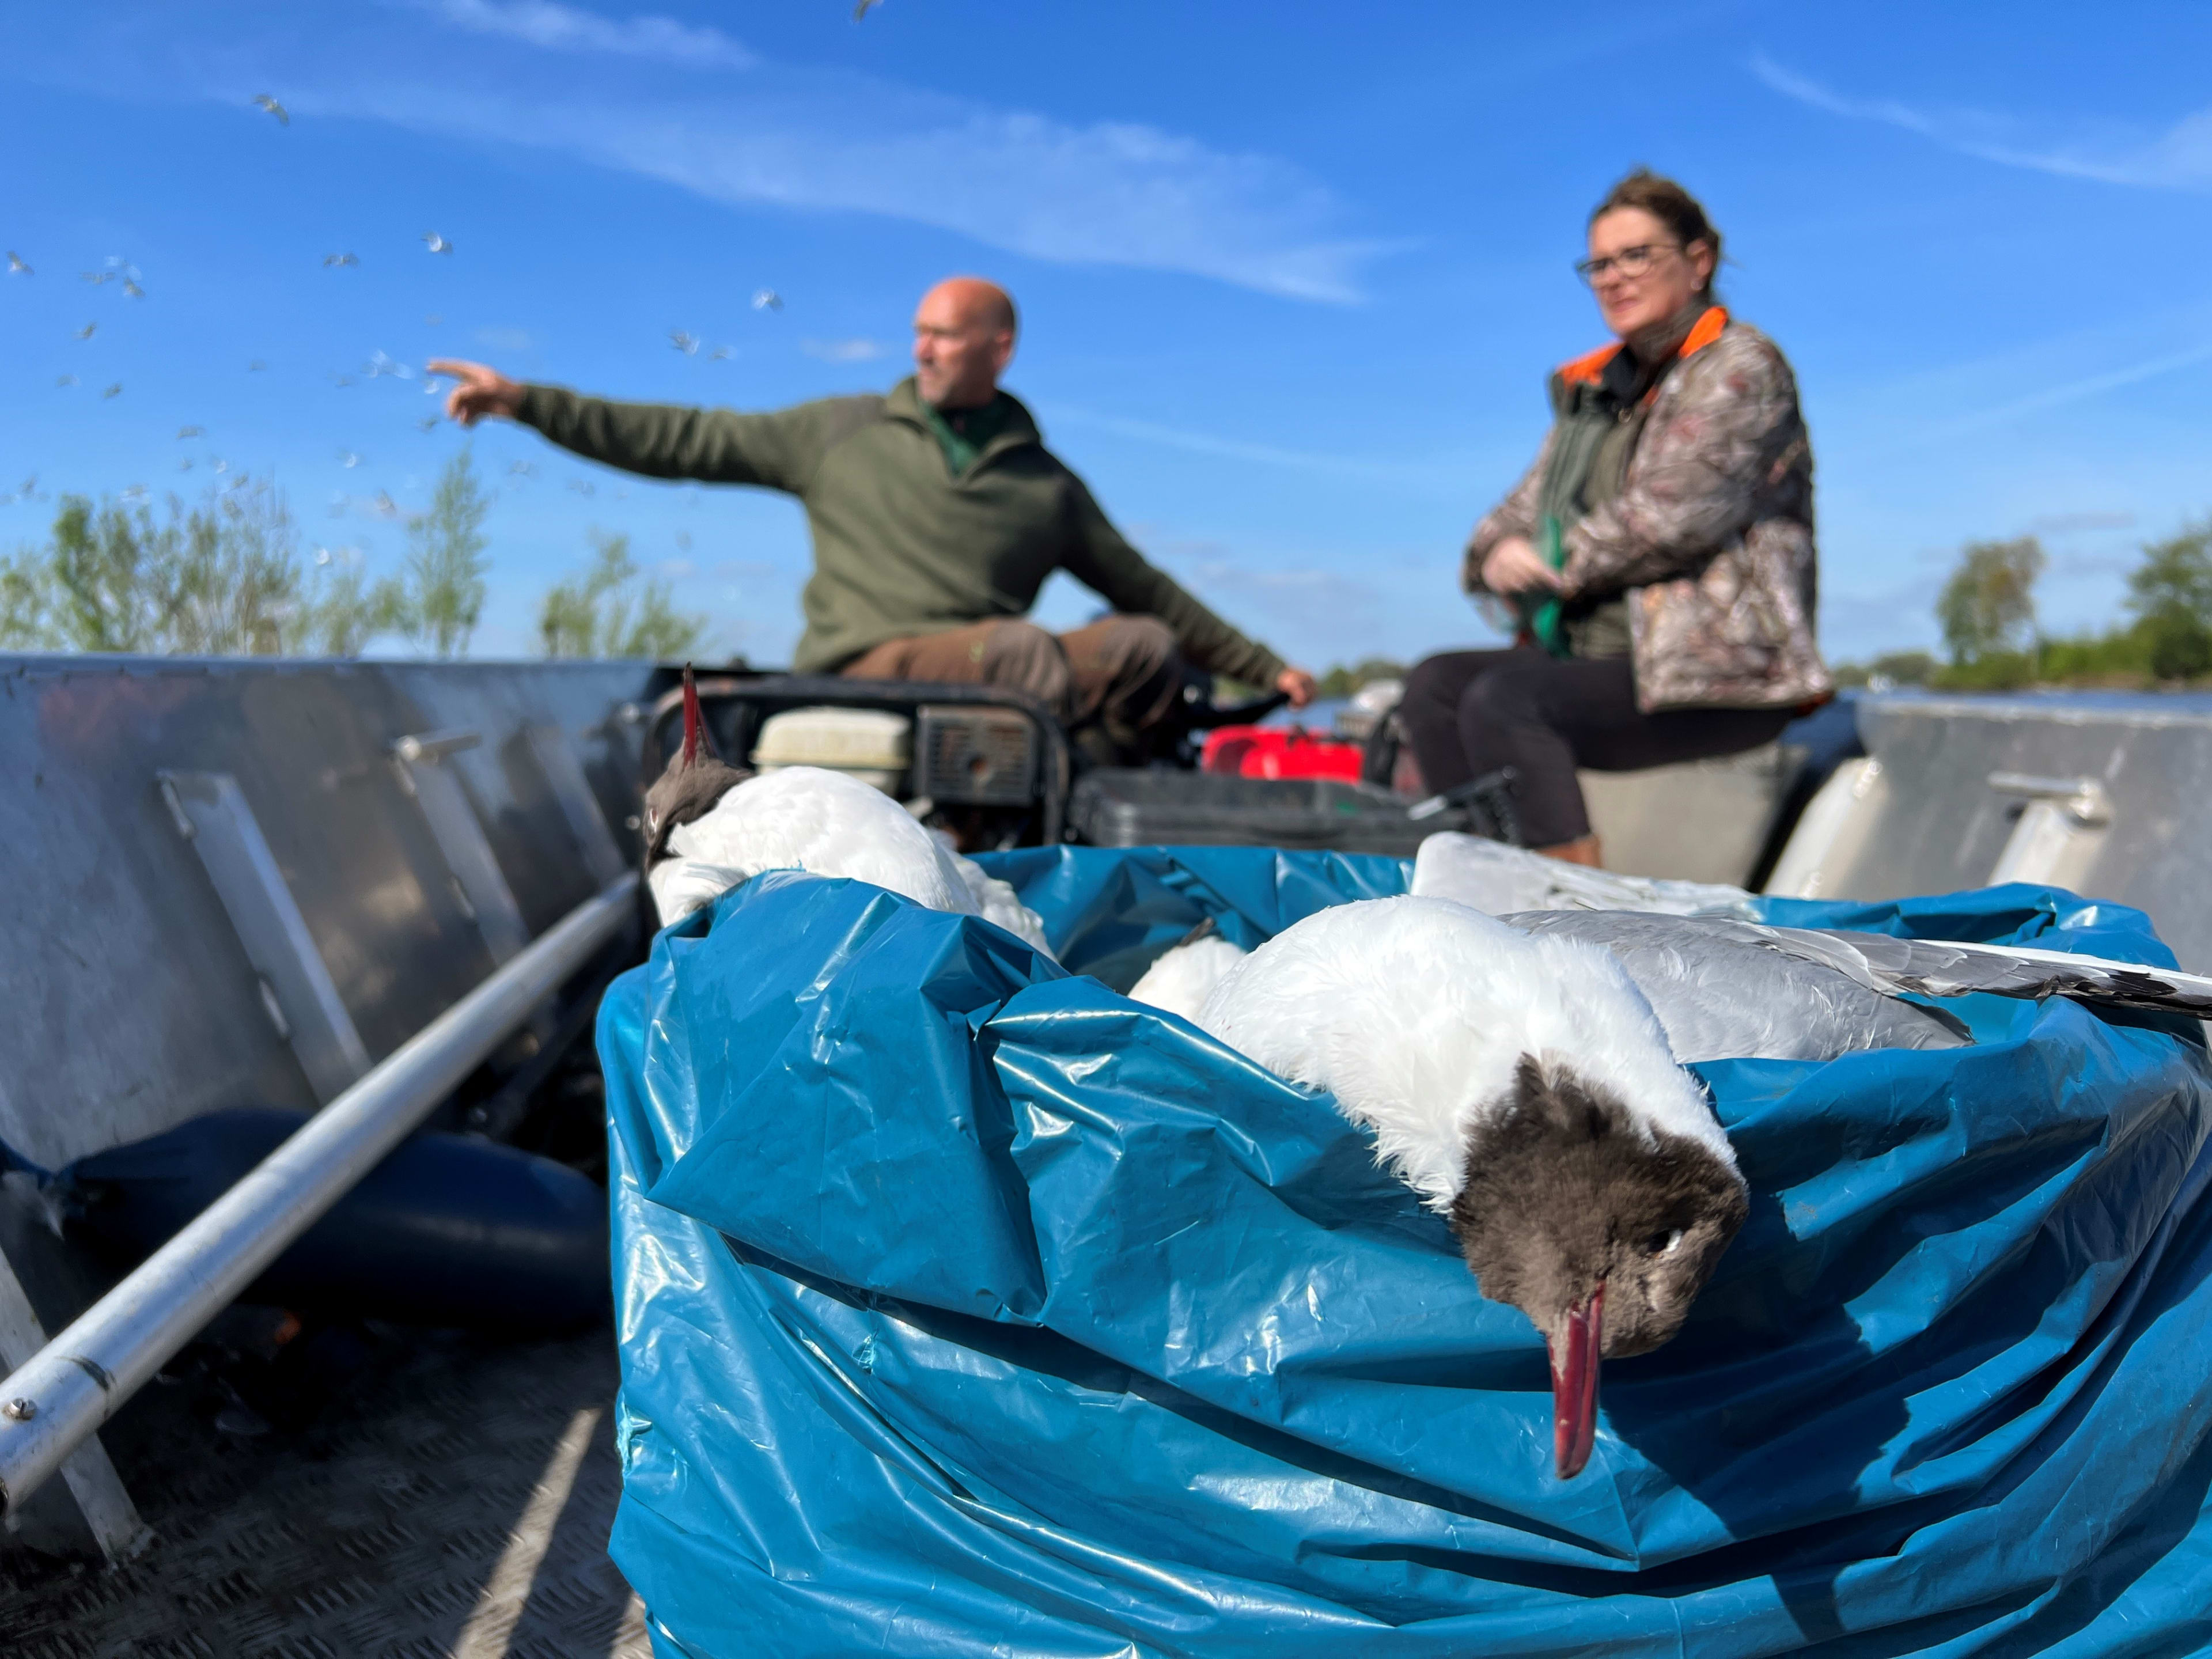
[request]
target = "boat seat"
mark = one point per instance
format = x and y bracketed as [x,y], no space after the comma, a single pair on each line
[1702,820]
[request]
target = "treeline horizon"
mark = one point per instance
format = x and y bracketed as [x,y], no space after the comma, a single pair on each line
[226,576]
[1992,640]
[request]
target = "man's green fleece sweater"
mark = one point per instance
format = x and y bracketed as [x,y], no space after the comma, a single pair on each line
[903,545]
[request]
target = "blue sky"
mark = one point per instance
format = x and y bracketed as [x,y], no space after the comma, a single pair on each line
[1290,276]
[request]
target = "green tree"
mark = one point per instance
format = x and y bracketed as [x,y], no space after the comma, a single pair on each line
[231,574]
[344,610]
[224,578]
[1988,606]
[111,577]
[2171,594]
[605,610]
[1341,680]
[1891,668]
[27,618]
[444,586]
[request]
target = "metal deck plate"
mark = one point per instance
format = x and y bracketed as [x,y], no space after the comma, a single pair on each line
[457,1509]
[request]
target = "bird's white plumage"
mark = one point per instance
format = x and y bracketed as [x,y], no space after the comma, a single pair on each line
[803,817]
[1184,976]
[994,900]
[1415,1013]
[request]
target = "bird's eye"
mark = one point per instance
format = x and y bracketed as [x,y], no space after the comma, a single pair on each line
[1662,1244]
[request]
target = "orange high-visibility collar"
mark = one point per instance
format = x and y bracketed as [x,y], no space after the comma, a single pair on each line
[1589,368]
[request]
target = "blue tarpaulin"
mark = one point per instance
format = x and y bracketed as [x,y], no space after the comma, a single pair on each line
[967,1308]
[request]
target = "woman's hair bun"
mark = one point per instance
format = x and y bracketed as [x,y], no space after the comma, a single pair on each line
[1666,201]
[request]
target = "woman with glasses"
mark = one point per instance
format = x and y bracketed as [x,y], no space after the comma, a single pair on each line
[1657,561]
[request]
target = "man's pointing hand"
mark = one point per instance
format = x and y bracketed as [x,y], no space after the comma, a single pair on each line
[481,390]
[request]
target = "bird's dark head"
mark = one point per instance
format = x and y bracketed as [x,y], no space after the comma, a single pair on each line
[1601,1227]
[690,784]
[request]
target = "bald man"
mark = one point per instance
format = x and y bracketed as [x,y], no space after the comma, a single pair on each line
[937,513]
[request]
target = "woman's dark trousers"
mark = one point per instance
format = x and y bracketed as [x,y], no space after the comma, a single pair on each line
[1469,713]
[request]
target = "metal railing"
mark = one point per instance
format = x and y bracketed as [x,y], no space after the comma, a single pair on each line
[79,1379]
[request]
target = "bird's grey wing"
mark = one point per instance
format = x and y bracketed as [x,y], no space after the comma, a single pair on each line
[1726,989]
[1494,879]
[1950,968]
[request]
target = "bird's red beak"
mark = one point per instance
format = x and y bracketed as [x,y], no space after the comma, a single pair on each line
[1574,1384]
[693,727]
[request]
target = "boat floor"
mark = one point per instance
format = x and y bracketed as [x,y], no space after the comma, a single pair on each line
[454,1503]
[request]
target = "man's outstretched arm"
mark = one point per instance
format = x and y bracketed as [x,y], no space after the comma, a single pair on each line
[1102,561]
[662,441]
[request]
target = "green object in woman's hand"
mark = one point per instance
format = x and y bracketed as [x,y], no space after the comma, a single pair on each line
[1540,612]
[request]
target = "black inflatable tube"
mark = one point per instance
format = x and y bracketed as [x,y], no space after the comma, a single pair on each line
[446,1232]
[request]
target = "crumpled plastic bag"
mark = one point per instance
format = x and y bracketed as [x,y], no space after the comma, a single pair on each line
[966,1308]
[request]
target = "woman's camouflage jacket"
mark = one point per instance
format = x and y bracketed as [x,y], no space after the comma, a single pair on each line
[1710,536]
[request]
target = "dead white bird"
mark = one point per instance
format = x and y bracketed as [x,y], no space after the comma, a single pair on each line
[263,101]
[1184,975]
[1725,988]
[1496,879]
[709,826]
[1522,1086]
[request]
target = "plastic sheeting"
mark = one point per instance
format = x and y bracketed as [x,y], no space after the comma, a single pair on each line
[966,1308]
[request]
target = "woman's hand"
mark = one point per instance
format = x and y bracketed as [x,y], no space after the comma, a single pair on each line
[1514,565]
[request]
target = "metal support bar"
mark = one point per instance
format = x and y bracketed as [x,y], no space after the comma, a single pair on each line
[478,882]
[2061,830]
[106,1508]
[577,804]
[1831,834]
[78,1380]
[211,812]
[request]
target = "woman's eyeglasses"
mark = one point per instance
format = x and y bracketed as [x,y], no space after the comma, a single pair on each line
[1629,262]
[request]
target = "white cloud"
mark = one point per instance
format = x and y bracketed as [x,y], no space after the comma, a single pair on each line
[556,28]
[1451,473]
[2090,385]
[843,351]
[2179,158]
[1100,193]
